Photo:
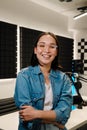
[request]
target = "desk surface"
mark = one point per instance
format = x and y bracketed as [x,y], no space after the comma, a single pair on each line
[9,121]
[78,118]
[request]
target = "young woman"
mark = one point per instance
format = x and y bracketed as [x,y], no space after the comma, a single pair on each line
[43,93]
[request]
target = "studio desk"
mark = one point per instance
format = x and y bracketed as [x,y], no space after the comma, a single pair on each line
[77,119]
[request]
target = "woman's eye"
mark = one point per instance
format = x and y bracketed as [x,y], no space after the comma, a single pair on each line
[50,46]
[41,46]
[53,46]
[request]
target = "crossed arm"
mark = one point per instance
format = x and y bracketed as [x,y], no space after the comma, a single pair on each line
[28,113]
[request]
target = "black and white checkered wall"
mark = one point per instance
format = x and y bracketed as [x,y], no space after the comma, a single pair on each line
[82,53]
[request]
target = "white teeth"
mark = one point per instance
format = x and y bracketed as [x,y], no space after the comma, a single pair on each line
[45,56]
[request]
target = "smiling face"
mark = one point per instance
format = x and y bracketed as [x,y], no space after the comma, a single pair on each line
[46,50]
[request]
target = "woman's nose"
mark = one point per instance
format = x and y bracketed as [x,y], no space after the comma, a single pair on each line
[46,48]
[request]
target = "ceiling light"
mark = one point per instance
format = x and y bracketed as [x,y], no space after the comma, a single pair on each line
[61,0]
[65,0]
[68,0]
[80,15]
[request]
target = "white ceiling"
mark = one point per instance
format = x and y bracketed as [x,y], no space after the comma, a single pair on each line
[66,8]
[39,8]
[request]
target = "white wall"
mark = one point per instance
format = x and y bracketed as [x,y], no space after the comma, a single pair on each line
[27,14]
[7,87]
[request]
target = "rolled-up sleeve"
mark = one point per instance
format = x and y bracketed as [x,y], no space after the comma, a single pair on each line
[22,94]
[64,106]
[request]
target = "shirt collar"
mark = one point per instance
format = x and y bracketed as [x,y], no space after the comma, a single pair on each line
[38,71]
[53,73]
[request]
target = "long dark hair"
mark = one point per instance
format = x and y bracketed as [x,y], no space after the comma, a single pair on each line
[34,60]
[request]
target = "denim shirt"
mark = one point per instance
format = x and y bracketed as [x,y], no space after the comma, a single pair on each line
[30,90]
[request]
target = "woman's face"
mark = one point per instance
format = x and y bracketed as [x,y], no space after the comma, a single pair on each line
[46,50]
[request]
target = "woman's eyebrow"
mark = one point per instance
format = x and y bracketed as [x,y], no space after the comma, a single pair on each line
[50,43]
[53,43]
[41,42]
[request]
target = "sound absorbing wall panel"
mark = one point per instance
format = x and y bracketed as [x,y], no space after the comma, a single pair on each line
[27,39]
[8,50]
[82,53]
[65,53]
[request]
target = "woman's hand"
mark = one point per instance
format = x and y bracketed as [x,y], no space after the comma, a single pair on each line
[28,113]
